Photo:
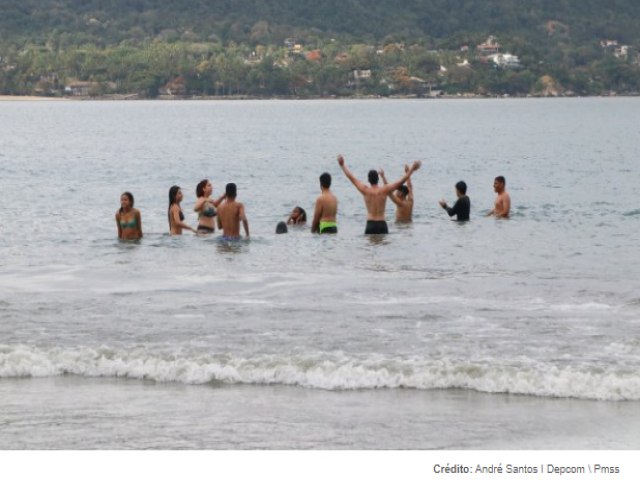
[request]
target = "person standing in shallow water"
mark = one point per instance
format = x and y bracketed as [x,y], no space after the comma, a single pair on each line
[462,207]
[326,209]
[502,205]
[176,217]
[402,197]
[231,214]
[206,207]
[128,219]
[375,196]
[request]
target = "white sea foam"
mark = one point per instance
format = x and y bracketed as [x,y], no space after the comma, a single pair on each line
[324,371]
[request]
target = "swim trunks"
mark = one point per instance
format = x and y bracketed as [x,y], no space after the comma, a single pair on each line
[328,227]
[376,227]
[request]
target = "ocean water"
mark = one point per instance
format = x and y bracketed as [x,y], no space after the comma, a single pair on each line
[519,333]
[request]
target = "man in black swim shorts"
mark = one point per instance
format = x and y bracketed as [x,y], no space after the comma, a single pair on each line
[375,196]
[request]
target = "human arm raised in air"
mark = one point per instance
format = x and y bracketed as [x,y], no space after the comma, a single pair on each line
[390,187]
[390,194]
[409,185]
[362,188]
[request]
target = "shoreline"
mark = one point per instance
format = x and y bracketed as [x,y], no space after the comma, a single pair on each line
[135,97]
[278,417]
[28,98]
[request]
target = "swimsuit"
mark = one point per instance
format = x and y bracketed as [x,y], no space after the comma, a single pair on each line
[205,229]
[328,227]
[133,223]
[208,210]
[375,227]
[171,220]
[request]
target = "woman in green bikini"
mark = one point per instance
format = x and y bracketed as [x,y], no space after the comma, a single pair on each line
[206,207]
[128,219]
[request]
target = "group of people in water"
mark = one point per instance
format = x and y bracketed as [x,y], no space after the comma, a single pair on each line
[228,214]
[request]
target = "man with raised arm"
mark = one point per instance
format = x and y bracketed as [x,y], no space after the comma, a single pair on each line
[230,214]
[402,197]
[324,215]
[375,196]
[502,205]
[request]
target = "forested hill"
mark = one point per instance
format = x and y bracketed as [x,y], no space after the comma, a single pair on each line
[310,48]
[107,22]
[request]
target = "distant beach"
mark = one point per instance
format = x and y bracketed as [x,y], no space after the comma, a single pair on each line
[121,97]
[26,98]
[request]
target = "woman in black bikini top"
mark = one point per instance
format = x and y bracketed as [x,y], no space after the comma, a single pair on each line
[176,217]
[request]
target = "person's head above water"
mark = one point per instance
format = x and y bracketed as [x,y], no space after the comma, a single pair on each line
[298,214]
[126,201]
[373,177]
[281,227]
[173,195]
[231,190]
[461,187]
[201,188]
[403,191]
[325,180]
[499,183]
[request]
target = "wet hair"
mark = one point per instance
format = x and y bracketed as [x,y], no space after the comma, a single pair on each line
[231,190]
[403,189]
[303,215]
[373,177]
[129,195]
[281,227]
[461,187]
[501,179]
[200,188]
[325,180]
[173,193]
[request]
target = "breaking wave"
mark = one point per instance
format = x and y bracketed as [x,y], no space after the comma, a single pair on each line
[324,371]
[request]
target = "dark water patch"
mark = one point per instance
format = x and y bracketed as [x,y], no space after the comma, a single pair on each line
[632,213]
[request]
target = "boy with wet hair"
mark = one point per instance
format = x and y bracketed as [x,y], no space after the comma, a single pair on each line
[326,209]
[402,197]
[462,207]
[231,214]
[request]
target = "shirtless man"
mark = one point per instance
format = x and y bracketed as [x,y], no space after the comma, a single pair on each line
[503,201]
[402,197]
[230,214]
[375,196]
[324,215]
